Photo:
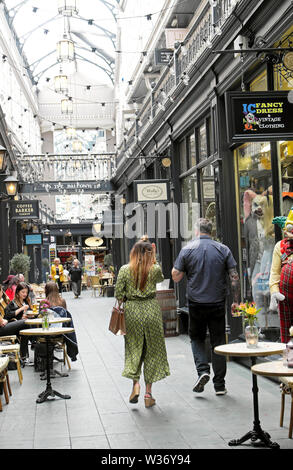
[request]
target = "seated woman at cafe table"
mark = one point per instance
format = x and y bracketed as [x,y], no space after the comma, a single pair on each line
[10,285]
[12,327]
[58,305]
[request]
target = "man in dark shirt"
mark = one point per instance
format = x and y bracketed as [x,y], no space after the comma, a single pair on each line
[75,273]
[206,264]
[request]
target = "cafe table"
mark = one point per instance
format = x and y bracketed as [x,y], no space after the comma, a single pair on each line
[39,321]
[263,349]
[47,334]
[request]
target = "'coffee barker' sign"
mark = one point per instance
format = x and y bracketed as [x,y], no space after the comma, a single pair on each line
[259,116]
[24,209]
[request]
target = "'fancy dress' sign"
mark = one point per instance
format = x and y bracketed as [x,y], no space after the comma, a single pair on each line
[259,116]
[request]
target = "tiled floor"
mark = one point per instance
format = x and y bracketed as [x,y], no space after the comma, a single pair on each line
[99,416]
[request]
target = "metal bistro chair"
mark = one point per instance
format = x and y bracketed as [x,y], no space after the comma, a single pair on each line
[96,285]
[286,387]
[12,349]
[84,282]
[4,379]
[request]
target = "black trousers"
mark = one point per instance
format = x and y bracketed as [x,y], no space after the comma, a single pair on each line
[201,318]
[59,285]
[76,287]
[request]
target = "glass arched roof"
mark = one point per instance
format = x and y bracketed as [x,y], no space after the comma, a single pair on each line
[39,26]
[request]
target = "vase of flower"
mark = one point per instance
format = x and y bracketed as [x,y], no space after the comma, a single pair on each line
[249,313]
[251,336]
[43,309]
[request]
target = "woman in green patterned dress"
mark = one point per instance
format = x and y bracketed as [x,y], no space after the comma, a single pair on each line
[144,340]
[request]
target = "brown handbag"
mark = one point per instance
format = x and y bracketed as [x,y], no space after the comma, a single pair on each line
[117,321]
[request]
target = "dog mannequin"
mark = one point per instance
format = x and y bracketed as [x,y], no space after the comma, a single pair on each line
[259,236]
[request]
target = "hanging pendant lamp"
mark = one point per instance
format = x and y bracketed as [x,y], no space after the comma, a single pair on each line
[61,83]
[77,146]
[65,49]
[66,106]
[68,7]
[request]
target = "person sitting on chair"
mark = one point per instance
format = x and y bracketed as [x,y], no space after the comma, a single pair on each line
[13,315]
[58,305]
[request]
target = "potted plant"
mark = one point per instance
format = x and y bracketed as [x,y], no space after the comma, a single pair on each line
[20,263]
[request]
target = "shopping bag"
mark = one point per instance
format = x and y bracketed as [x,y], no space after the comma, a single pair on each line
[117,321]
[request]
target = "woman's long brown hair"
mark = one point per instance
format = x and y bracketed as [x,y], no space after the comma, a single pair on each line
[141,261]
[27,300]
[52,294]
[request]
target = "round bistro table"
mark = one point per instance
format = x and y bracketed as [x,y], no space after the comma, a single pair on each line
[51,332]
[241,350]
[39,321]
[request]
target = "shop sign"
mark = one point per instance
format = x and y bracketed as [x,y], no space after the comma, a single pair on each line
[152,190]
[163,56]
[52,252]
[55,187]
[259,116]
[209,190]
[24,209]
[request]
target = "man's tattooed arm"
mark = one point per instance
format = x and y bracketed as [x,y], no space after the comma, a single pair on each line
[235,285]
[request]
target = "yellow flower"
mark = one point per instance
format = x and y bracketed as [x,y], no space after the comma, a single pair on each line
[251,311]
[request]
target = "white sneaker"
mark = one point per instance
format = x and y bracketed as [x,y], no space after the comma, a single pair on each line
[221,392]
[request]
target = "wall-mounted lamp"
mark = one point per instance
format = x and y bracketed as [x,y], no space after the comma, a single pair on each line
[166,162]
[11,183]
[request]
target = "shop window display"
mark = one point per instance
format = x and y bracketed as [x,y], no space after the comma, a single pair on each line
[208,197]
[257,231]
[189,196]
[191,150]
[286,162]
[183,156]
[203,150]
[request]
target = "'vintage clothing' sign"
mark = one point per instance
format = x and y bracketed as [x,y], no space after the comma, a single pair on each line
[259,116]
[24,209]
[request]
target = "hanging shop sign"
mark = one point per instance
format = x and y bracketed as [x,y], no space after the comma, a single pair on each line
[52,252]
[163,56]
[152,190]
[33,239]
[55,187]
[24,209]
[259,116]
